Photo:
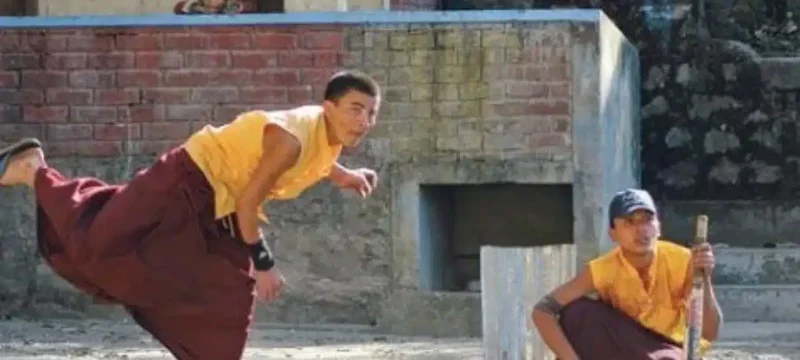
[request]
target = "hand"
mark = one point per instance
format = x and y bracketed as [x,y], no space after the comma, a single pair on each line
[703,258]
[269,284]
[363,181]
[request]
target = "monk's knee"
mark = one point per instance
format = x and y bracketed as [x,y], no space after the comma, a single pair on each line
[580,308]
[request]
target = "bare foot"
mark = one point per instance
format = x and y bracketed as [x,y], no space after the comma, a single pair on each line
[22,168]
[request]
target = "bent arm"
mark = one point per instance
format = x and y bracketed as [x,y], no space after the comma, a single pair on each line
[337,174]
[546,311]
[280,151]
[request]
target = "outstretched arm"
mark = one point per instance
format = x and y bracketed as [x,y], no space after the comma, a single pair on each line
[546,311]
[280,151]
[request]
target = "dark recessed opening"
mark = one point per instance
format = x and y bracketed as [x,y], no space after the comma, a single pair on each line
[456,220]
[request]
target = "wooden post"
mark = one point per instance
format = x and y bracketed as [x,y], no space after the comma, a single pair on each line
[513,279]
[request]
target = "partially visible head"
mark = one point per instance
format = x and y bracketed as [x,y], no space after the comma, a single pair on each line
[633,221]
[352,101]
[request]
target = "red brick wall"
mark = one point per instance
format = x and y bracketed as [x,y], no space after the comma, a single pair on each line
[94,92]
[413,4]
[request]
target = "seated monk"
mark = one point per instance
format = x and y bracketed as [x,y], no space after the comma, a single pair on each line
[643,285]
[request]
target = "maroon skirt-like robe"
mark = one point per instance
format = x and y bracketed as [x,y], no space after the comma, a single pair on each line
[152,246]
[599,332]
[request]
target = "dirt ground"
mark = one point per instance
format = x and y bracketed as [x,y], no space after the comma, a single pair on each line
[92,339]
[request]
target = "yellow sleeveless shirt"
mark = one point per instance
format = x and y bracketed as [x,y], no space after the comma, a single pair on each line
[662,308]
[228,155]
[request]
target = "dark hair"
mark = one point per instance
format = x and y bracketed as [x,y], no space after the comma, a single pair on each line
[344,81]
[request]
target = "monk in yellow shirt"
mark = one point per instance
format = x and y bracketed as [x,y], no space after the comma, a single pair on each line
[179,246]
[642,285]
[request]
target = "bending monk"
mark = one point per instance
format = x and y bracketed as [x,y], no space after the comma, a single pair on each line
[179,246]
[643,286]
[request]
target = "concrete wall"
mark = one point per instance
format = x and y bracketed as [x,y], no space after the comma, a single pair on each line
[470,98]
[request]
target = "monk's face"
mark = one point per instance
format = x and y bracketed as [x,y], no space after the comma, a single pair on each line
[352,116]
[636,233]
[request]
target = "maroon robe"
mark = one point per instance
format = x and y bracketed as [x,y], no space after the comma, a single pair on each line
[152,246]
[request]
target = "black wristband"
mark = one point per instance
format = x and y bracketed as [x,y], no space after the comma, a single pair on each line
[261,255]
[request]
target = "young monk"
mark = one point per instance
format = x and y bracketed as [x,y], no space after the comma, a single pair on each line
[643,286]
[179,246]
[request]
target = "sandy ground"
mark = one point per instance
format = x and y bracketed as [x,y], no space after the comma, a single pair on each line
[70,339]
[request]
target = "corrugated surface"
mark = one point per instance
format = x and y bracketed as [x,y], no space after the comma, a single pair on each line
[513,279]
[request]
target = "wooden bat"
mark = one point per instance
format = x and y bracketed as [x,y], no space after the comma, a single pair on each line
[694,326]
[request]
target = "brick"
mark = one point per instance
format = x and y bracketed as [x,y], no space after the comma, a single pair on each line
[207,59]
[10,113]
[159,60]
[116,131]
[167,95]
[550,141]
[91,79]
[397,94]
[138,78]
[93,114]
[476,91]
[215,95]
[229,41]
[87,42]
[43,78]
[140,42]
[277,77]
[68,96]
[117,96]
[65,61]
[457,109]
[527,90]
[230,77]
[58,149]
[268,42]
[518,108]
[447,91]
[296,59]
[316,76]
[45,114]
[257,95]
[13,132]
[182,41]
[22,96]
[142,113]
[253,59]
[456,74]
[164,131]
[505,142]
[69,131]
[188,112]
[10,42]
[323,40]
[20,61]
[115,60]
[561,90]
[9,79]
[150,147]
[300,94]
[326,59]
[226,113]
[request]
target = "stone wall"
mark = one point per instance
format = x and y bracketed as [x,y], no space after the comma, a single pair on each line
[468,99]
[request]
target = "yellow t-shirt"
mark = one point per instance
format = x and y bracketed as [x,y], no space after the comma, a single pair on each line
[662,307]
[228,155]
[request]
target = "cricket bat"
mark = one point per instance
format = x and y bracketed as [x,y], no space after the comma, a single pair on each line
[694,326]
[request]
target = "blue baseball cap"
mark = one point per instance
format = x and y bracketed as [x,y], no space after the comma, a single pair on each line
[625,202]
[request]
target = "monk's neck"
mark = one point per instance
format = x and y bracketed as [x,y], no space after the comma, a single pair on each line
[332,139]
[640,262]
